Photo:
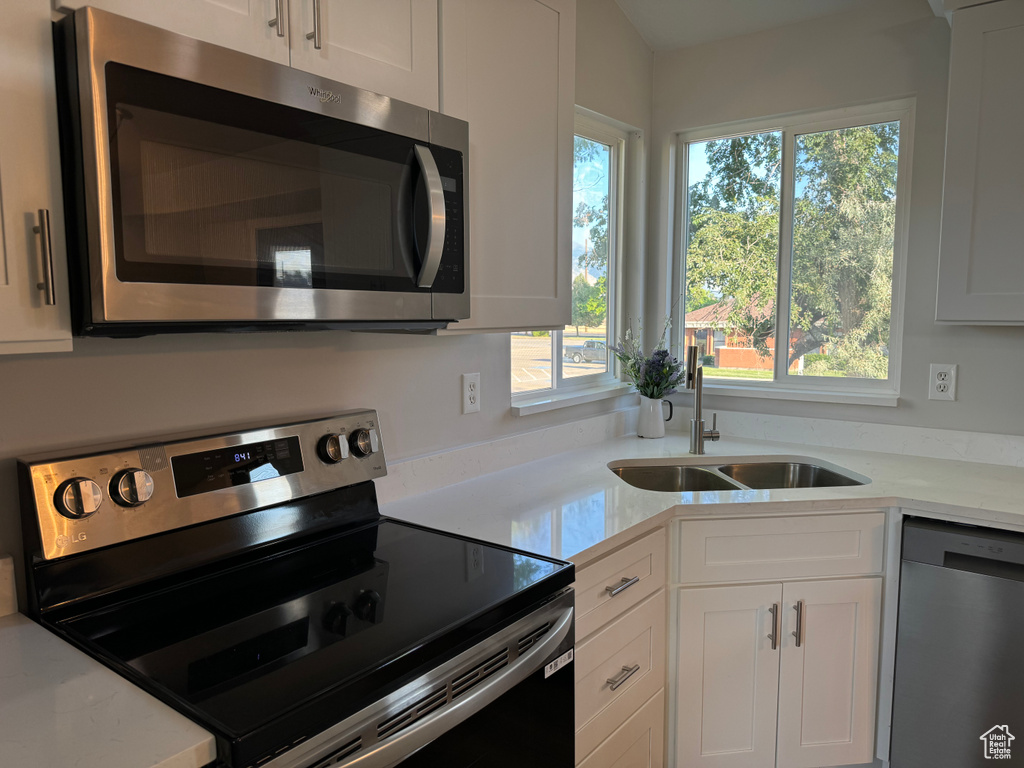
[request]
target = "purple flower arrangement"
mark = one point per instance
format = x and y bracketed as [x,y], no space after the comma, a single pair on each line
[654,375]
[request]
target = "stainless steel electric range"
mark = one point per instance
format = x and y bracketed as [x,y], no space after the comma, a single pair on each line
[248,580]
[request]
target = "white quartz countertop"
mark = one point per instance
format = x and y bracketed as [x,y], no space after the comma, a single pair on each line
[58,707]
[572,506]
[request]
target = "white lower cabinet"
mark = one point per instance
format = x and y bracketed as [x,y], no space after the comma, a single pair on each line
[777,674]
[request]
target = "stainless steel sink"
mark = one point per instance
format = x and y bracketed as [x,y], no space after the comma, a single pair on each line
[673,477]
[735,474]
[785,474]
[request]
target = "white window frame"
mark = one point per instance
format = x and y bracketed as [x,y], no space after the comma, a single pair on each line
[783,384]
[591,126]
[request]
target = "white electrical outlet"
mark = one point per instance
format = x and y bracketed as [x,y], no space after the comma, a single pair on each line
[941,381]
[471,393]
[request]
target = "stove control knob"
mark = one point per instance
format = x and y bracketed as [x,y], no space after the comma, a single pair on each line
[336,619]
[364,442]
[366,606]
[78,498]
[332,448]
[131,487]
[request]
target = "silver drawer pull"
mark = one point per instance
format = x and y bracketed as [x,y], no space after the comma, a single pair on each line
[46,252]
[799,608]
[277,23]
[627,672]
[774,636]
[315,34]
[622,586]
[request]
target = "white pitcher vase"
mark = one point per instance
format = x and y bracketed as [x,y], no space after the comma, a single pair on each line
[651,419]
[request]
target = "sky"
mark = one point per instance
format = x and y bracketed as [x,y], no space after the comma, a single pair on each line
[589,185]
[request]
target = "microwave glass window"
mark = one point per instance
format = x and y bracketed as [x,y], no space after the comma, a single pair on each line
[264,210]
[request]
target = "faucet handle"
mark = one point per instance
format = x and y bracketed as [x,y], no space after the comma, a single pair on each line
[713,433]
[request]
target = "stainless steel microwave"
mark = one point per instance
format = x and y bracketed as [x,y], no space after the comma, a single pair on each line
[207,189]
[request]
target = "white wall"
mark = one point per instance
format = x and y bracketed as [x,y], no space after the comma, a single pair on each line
[615,78]
[113,390]
[889,49]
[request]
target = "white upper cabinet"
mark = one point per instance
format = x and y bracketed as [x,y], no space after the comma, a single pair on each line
[33,265]
[981,261]
[256,27]
[387,46]
[508,68]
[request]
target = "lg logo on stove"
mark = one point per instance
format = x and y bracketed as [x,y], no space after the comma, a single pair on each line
[63,541]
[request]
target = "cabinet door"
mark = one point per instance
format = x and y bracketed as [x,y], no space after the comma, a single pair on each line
[242,25]
[387,46]
[827,683]
[507,66]
[727,677]
[29,180]
[981,259]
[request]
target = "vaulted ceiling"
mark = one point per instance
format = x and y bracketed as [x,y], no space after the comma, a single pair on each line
[669,24]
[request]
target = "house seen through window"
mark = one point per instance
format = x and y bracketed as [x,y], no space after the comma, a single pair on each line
[577,355]
[794,234]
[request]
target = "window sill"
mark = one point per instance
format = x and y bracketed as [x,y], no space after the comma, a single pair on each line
[886,399]
[549,401]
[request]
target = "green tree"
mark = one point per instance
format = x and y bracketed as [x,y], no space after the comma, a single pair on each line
[842,241]
[586,298]
[595,220]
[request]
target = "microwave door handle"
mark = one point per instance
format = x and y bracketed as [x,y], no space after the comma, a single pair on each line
[435,201]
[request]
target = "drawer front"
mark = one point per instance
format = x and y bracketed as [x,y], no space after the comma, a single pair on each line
[637,743]
[643,560]
[779,547]
[630,652]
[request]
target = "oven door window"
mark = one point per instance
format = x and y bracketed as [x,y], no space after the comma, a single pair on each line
[215,188]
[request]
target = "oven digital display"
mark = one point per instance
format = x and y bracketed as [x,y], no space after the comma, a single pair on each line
[212,470]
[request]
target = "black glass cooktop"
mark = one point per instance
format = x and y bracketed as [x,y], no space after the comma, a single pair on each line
[353,613]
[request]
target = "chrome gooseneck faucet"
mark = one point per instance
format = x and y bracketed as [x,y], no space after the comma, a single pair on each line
[695,381]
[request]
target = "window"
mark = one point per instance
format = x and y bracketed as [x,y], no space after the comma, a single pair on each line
[795,231]
[577,356]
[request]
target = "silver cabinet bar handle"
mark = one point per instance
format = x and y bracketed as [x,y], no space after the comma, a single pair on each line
[627,672]
[438,218]
[315,34]
[774,636]
[798,633]
[46,251]
[622,586]
[278,21]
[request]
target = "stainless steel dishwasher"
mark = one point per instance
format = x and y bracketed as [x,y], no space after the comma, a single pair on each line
[958,695]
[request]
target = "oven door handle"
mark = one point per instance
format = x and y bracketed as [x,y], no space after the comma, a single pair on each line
[435,202]
[394,750]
